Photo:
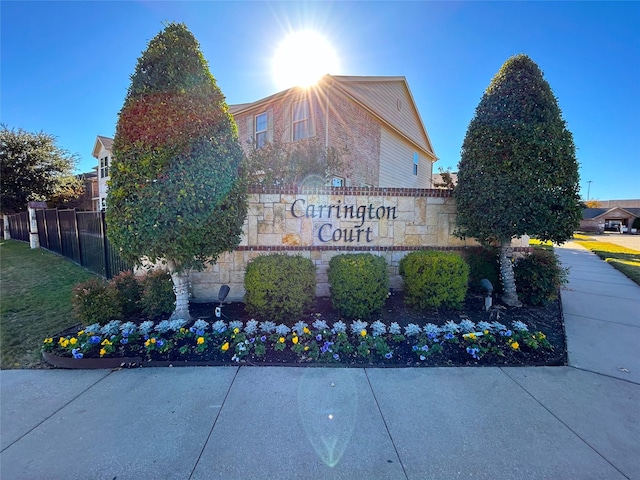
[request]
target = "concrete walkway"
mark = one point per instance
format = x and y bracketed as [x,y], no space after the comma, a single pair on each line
[576,422]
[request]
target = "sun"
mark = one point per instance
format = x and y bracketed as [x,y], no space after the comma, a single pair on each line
[302,58]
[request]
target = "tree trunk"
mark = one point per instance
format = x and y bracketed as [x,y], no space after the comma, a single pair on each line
[181,289]
[509,296]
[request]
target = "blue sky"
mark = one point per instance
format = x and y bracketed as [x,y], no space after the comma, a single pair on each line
[65,66]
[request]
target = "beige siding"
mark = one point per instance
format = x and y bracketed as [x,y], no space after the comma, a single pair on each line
[396,164]
[392,101]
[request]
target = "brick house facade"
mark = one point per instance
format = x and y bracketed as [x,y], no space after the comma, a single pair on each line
[373,121]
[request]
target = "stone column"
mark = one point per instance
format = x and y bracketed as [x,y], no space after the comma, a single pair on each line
[34,240]
[7,232]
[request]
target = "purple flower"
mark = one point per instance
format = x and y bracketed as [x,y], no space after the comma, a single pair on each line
[95,339]
[388,355]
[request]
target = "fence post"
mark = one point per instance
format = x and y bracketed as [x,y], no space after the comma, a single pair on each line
[34,241]
[7,230]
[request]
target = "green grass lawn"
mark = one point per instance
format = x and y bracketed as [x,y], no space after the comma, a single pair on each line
[35,301]
[624,259]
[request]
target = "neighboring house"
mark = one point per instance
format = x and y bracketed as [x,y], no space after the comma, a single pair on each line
[102,152]
[89,200]
[373,121]
[438,181]
[615,219]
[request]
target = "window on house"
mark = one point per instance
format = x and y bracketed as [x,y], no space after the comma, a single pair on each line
[415,163]
[337,182]
[104,167]
[300,121]
[261,130]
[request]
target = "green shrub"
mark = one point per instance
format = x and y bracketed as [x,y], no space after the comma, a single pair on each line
[158,297]
[539,277]
[359,284]
[279,287]
[433,279]
[128,291]
[636,223]
[483,263]
[95,301]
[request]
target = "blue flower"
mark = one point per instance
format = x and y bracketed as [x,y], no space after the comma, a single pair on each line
[473,352]
[422,357]
[76,353]
[448,336]
[192,329]
[388,355]
[124,340]
[200,333]
[431,335]
[263,338]
[160,343]
[146,336]
[95,339]
[318,337]
[414,348]
[425,348]
[336,356]
[252,339]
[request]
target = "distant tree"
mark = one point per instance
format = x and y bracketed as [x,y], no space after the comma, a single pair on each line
[280,163]
[447,181]
[593,203]
[177,193]
[518,172]
[33,167]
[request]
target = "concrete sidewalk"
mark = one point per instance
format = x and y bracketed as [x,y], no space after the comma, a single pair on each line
[575,422]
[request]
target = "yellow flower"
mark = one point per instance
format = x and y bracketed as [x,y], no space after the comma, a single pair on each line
[183,330]
[147,343]
[64,343]
[153,340]
[80,332]
[281,339]
[73,341]
[306,330]
[470,336]
[107,342]
[62,339]
[306,348]
[103,352]
[200,340]
[541,335]
[48,340]
[294,340]
[363,333]
[486,332]
[236,331]
[515,345]
[225,347]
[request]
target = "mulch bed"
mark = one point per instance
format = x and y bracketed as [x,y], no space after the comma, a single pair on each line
[547,319]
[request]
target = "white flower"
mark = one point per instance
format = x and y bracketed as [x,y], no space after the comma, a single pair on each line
[518,325]
[431,328]
[467,325]
[339,327]
[451,327]
[219,326]
[299,327]
[412,330]
[252,327]
[111,328]
[358,326]
[267,327]
[235,324]
[320,325]
[145,327]
[282,329]
[378,328]
[394,329]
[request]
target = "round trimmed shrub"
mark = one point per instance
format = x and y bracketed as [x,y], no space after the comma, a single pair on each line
[95,301]
[433,279]
[539,277]
[279,287]
[128,291]
[359,284]
[158,298]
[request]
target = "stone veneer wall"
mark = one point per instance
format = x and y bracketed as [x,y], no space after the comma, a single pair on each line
[389,222]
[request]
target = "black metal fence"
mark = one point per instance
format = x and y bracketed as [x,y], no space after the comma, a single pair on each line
[79,236]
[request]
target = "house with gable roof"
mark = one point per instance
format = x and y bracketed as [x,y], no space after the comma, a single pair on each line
[373,120]
[613,219]
[102,151]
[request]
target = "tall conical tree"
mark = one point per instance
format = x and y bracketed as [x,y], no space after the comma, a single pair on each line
[518,172]
[177,193]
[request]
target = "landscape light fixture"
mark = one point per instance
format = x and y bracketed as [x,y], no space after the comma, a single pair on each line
[487,288]
[222,294]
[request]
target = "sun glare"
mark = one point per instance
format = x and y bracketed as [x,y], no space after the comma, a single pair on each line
[302,58]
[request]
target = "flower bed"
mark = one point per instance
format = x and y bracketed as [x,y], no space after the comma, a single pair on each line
[357,343]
